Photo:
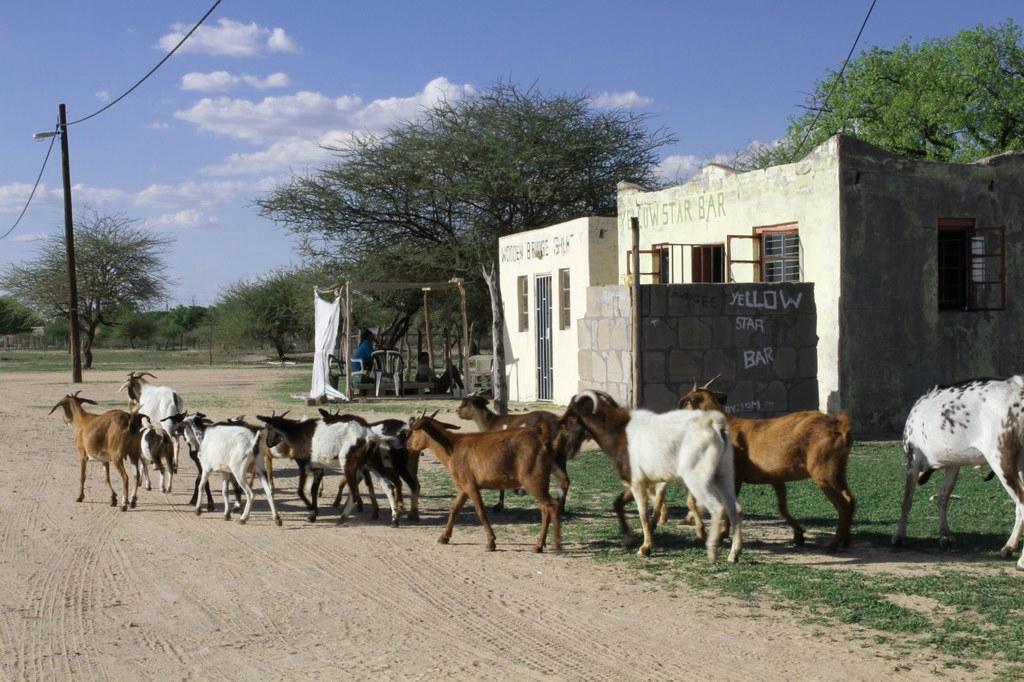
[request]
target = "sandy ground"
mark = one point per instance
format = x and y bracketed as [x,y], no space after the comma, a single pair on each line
[89,592]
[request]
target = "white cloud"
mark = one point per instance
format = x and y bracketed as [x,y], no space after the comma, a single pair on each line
[158,125]
[311,114]
[32,237]
[92,196]
[103,96]
[620,100]
[274,80]
[209,82]
[182,220]
[293,127]
[200,193]
[679,167]
[288,153]
[279,41]
[221,81]
[229,38]
[14,195]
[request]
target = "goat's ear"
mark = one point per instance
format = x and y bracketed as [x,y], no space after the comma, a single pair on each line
[721,397]
[446,425]
[62,403]
[323,413]
[87,401]
[259,416]
[146,374]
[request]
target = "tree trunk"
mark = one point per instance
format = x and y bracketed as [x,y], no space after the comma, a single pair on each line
[500,385]
[90,334]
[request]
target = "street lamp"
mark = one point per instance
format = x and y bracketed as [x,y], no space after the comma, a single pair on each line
[69,243]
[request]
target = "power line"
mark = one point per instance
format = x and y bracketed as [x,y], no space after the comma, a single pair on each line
[839,77]
[151,71]
[34,187]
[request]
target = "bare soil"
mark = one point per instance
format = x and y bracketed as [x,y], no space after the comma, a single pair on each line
[89,592]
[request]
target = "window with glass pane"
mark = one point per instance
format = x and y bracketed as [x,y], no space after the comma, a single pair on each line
[564,312]
[523,284]
[781,256]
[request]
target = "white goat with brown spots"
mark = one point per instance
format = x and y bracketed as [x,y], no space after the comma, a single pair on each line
[966,424]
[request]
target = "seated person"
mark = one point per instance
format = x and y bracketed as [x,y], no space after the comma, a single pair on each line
[364,352]
[425,373]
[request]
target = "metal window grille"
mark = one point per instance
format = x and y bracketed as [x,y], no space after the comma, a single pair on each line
[780,256]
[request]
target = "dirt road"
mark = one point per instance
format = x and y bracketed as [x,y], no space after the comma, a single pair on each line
[89,592]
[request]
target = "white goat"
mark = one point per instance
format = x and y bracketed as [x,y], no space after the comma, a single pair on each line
[691,447]
[230,449]
[156,402]
[971,423]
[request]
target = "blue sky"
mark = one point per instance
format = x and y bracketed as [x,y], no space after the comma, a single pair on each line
[253,94]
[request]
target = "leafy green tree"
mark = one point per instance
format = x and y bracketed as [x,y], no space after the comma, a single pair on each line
[16,318]
[138,327]
[429,199]
[952,99]
[120,267]
[276,309]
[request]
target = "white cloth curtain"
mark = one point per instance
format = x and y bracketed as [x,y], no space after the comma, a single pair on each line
[327,315]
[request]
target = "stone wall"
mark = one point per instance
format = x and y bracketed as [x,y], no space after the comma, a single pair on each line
[605,360]
[761,338]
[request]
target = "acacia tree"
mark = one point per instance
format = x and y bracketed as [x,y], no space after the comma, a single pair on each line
[14,317]
[275,309]
[120,267]
[946,99]
[429,199]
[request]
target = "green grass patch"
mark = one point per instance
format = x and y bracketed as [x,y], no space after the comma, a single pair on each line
[127,360]
[963,603]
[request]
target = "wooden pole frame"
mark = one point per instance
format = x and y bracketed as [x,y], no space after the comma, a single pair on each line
[427,330]
[634,228]
[348,341]
[465,334]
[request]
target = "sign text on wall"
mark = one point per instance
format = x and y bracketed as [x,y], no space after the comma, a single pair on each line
[537,249]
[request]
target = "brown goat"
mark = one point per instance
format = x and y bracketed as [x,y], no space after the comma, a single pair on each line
[497,460]
[793,447]
[110,438]
[565,442]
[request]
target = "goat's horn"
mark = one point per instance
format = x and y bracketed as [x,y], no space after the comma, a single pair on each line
[694,384]
[283,414]
[435,412]
[147,374]
[710,381]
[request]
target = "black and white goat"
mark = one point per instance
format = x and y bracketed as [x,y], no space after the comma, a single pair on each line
[349,445]
[971,423]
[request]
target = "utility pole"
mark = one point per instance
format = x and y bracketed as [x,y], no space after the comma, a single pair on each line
[69,243]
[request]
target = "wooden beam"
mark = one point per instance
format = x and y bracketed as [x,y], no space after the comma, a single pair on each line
[347,360]
[464,349]
[634,228]
[426,329]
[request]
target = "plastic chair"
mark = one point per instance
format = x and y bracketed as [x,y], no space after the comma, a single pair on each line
[388,366]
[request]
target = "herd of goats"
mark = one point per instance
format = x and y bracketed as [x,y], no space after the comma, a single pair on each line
[699,445]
